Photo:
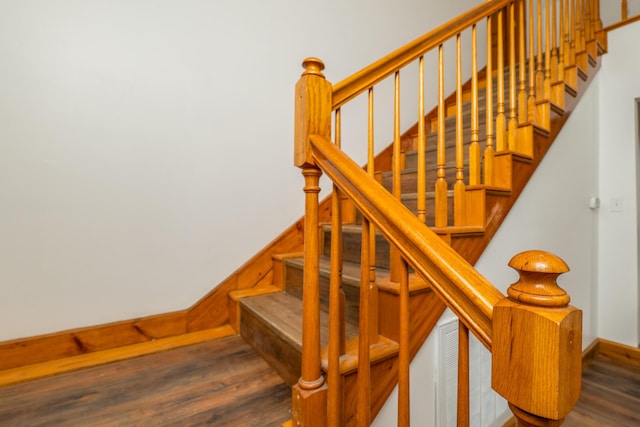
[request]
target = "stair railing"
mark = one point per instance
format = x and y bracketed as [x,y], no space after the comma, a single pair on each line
[564,49]
[625,16]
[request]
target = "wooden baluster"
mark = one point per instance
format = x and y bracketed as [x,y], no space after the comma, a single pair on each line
[368,325]
[572,32]
[395,260]
[441,182]
[547,55]
[583,19]
[588,33]
[422,170]
[560,75]
[364,368]
[523,116]
[373,288]
[539,59]
[554,43]
[313,117]
[501,124]
[598,18]
[537,343]
[513,123]
[474,148]
[489,151]
[463,375]
[570,67]
[337,304]
[624,15]
[581,60]
[459,187]
[404,356]
[531,102]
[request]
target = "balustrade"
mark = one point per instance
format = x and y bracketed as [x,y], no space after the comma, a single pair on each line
[542,66]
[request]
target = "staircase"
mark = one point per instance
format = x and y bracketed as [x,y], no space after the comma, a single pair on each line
[476,161]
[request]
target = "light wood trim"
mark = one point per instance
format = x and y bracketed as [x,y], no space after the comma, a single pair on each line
[470,296]
[383,68]
[624,13]
[621,352]
[74,363]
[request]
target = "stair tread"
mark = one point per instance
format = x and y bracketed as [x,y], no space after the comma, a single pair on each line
[350,270]
[283,312]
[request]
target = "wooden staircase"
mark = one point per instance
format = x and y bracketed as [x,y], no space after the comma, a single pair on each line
[272,321]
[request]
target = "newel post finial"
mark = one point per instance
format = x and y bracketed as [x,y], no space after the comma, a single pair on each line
[312,110]
[313,67]
[537,343]
[537,285]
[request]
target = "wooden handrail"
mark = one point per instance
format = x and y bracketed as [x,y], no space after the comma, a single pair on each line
[467,293]
[362,80]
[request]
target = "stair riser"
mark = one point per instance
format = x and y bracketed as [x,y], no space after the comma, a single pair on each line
[352,244]
[411,157]
[281,355]
[293,285]
[409,181]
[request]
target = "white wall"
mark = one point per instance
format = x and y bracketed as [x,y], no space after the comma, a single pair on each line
[140,141]
[618,295]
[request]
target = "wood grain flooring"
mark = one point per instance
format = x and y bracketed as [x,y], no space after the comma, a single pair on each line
[610,395]
[216,383]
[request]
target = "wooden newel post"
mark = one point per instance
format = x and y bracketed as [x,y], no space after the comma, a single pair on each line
[537,343]
[312,117]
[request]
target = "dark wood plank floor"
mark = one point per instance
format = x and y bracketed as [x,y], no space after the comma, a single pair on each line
[610,395]
[217,383]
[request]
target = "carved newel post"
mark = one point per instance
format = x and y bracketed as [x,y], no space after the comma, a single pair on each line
[312,117]
[537,343]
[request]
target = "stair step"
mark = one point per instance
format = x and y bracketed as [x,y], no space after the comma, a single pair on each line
[350,283]
[272,325]
[409,176]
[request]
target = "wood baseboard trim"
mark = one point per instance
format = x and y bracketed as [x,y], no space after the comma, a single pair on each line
[620,352]
[74,363]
